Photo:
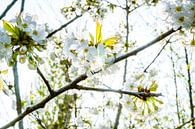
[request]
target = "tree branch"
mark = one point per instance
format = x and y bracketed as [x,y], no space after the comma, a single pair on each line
[22,7]
[36,117]
[134,52]
[119,6]
[137,7]
[63,26]
[116,123]
[7,9]
[136,94]
[176,86]
[82,77]
[45,81]
[145,70]
[190,87]
[17,93]
[42,103]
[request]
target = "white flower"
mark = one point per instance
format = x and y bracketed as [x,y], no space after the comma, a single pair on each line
[39,34]
[181,13]
[4,38]
[97,57]
[28,24]
[71,44]
[5,51]
[29,19]
[5,47]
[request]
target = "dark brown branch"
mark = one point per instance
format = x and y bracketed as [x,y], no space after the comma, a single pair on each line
[136,94]
[190,87]
[44,101]
[134,52]
[45,81]
[179,127]
[83,77]
[7,9]
[36,117]
[145,70]
[118,116]
[22,7]
[63,26]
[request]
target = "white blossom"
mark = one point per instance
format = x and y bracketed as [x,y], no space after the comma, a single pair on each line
[5,48]
[180,12]
[70,46]
[39,34]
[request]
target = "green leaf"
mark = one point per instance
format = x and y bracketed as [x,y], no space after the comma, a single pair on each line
[1,84]
[159,101]
[154,106]
[98,32]
[92,39]
[11,28]
[5,71]
[87,122]
[143,112]
[192,42]
[109,42]
[153,86]
[23,102]
[149,110]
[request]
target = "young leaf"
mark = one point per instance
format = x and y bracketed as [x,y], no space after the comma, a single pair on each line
[98,32]
[109,42]
[11,28]
[1,84]
[153,86]
[143,112]
[159,101]
[92,39]
[4,71]
[154,106]
[192,42]
[149,109]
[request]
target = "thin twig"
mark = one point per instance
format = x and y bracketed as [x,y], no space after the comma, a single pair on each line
[168,41]
[176,87]
[7,9]
[82,77]
[22,7]
[45,81]
[63,26]
[36,116]
[134,52]
[118,116]
[190,87]
[119,6]
[136,94]
[179,127]
[130,11]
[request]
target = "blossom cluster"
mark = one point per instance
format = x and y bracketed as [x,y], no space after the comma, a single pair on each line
[20,39]
[86,57]
[181,12]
